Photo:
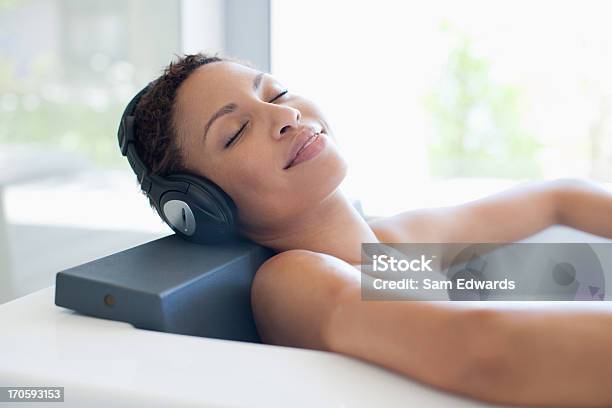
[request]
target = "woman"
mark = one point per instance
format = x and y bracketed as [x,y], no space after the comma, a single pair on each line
[272,151]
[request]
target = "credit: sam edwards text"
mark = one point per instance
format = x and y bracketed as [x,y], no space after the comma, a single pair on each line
[434,284]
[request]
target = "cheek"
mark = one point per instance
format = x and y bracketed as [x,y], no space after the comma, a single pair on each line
[309,109]
[251,178]
[261,192]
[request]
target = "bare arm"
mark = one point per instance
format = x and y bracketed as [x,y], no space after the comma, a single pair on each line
[535,358]
[584,205]
[510,215]
[551,359]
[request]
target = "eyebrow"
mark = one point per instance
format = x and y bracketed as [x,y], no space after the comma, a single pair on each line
[231,107]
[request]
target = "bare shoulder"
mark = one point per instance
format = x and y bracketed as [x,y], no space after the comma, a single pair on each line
[302,265]
[293,294]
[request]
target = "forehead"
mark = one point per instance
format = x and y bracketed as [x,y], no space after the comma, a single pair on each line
[207,89]
[216,79]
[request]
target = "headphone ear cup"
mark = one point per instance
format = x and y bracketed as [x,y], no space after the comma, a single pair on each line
[194,223]
[213,211]
[177,212]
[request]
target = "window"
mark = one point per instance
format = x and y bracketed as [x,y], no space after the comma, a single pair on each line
[453,95]
[66,79]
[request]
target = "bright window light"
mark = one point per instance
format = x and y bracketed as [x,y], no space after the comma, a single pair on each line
[420,93]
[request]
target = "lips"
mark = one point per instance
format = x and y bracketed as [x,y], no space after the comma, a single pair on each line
[303,138]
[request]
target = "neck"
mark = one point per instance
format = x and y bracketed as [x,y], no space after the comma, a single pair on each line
[334,227]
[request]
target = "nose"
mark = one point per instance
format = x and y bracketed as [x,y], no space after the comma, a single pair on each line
[286,119]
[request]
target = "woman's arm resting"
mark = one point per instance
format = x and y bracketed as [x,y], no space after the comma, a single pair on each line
[552,359]
[310,300]
[510,215]
[584,205]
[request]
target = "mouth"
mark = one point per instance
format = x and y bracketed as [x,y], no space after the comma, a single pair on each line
[304,139]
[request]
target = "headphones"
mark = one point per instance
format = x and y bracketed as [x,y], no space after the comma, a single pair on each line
[194,207]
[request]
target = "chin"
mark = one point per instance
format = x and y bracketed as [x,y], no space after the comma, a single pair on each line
[322,177]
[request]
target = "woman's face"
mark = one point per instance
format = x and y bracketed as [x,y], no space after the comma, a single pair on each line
[223,99]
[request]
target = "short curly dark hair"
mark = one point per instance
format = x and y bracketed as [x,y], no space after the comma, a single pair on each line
[154,130]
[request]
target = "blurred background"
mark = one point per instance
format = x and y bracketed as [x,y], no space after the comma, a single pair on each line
[433,103]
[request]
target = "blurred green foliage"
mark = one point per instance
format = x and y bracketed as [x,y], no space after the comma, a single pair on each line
[71,126]
[66,84]
[71,123]
[477,122]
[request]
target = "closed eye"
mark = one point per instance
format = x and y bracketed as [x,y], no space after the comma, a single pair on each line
[280,95]
[233,138]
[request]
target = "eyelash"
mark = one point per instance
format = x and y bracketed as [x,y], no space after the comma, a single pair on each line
[231,140]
